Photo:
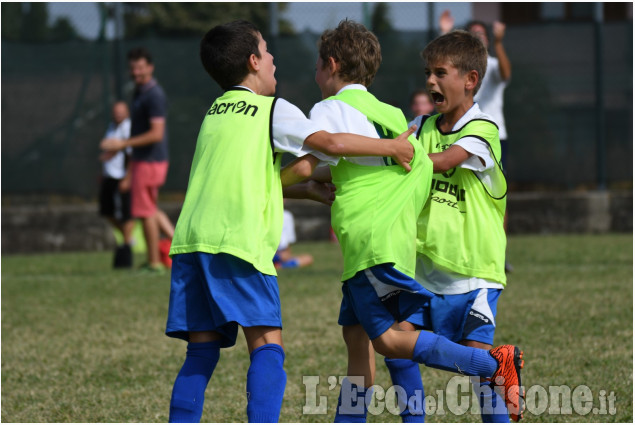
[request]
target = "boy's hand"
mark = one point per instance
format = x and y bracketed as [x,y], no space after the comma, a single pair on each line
[498,29]
[446,22]
[105,156]
[124,184]
[404,151]
[321,192]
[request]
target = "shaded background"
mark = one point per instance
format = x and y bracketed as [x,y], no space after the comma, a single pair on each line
[569,105]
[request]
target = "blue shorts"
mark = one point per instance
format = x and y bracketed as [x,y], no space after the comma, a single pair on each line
[469,316]
[378,297]
[218,292]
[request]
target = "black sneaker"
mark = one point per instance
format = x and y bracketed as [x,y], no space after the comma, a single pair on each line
[123,257]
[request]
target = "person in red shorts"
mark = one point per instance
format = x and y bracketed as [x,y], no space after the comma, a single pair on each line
[149,166]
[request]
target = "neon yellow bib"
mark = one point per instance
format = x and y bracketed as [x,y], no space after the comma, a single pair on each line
[461,226]
[233,202]
[375,209]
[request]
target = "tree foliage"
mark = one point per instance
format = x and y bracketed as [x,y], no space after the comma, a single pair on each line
[29,23]
[187,19]
[380,21]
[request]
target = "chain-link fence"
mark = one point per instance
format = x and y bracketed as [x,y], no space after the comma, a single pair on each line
[56,97]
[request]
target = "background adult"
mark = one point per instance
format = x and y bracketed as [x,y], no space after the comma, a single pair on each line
[149,166]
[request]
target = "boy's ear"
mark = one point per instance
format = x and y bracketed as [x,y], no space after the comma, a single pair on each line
[333,65]
[253,63]
[471,79]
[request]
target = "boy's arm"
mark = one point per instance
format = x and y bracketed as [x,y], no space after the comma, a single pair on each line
[311,189]
[298,170]
[448,159]
[322,175]
[504,65]
[294,186]
[347,144]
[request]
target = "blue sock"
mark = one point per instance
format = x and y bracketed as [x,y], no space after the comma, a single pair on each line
[406,374]
[188,393]
[355,407]
[493,409]
[440,353]
[266,380]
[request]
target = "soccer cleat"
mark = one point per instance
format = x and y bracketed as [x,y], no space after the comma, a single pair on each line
[506,379]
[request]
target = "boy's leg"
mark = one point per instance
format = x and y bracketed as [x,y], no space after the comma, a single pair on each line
[266,378]
[440,353]
[469,319]
[356,389]
[188,393]
[126,229]
[405,374]
[493,409]
[375,292]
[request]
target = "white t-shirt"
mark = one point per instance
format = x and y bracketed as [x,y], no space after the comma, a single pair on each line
[290,127]
[336,116]
[441,280]
[490,95]
[115,167]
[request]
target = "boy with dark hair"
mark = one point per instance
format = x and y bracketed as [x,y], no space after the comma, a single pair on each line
[223,275]
[374,217]
[461,240]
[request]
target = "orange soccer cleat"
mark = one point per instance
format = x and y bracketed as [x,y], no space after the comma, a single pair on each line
[506,379]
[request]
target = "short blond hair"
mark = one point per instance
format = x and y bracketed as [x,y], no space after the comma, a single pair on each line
[355,48]
[463,50]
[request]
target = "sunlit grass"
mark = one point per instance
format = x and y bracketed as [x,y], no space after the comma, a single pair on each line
[84,343]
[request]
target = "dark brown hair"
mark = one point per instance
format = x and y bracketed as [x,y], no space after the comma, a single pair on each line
[139,53]
[463,50]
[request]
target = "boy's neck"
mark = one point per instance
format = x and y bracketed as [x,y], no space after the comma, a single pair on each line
[450,118]
[253,84]
[336,87]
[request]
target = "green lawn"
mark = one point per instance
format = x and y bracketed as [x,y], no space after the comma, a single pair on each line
[84,343]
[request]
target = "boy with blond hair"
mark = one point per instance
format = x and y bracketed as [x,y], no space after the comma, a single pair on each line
[461,239]
[223,276]
[374,217]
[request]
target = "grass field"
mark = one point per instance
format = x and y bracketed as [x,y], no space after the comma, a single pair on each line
[84,343]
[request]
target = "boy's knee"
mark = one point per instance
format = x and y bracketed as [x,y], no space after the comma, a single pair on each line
[354,335]
[382,344]
[395,343]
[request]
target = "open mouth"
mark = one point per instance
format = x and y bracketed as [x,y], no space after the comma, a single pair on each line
[437,98]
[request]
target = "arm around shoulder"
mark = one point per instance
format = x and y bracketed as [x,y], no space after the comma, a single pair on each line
[348,144]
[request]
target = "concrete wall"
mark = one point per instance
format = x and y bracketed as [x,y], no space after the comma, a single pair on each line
[29,229]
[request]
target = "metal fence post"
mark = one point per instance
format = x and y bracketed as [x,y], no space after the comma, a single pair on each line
[599,97]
